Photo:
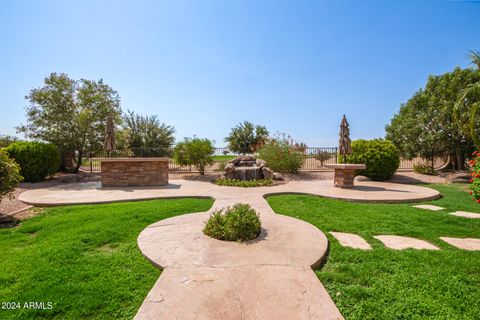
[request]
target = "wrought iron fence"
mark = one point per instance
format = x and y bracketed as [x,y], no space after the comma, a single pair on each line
[316,159]
[407,165]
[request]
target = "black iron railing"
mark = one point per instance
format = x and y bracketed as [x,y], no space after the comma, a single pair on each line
[316,159]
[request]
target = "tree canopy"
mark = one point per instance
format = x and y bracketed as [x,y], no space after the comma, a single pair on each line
[246,137]
[194,152]
[71,114]
[147,132]
[437,121]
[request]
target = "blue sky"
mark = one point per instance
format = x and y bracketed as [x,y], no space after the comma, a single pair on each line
[203,66]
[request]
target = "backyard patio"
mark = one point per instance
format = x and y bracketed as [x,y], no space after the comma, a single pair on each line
[245,160]
[236,279]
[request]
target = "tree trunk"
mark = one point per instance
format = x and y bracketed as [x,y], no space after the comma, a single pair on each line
[460,160]
[79,161]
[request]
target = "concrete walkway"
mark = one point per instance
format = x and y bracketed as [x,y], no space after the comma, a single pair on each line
[92,192]
[270,277]
[203,278]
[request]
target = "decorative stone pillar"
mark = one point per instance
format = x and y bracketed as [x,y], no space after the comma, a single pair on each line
[345,174]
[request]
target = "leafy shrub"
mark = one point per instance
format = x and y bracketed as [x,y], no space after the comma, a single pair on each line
[475,181]
[194,152]
[380,156]
[424,169]
[37,160]
[281,156]
[238,223]
[9,175]
[244,183]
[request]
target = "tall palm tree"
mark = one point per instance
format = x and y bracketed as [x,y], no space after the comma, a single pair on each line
[475,58]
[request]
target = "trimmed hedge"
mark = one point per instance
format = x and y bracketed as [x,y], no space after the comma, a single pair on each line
[37,160]
[381,157]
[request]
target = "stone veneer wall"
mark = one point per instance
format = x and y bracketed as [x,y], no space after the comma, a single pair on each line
[344,178]
[126,172]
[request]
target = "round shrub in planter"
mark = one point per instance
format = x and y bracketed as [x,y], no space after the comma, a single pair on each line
[238,223]
[37,160]
[380,156]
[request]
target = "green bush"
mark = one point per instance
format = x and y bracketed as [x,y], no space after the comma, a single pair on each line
[9,175]
[37,160]
[244,183]
[238,223]
[380,156]
[424,169]
[194,152]
[281,156]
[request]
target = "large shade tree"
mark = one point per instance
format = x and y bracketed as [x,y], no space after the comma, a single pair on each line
[432,123]
[71,114]
[469,102]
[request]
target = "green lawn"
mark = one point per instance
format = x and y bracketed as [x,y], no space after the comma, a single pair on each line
[388,284]
[223,158]
[83,259]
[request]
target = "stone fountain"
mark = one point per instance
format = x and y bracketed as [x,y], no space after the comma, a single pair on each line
[247,168]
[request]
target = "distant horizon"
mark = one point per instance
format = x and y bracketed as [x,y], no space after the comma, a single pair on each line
[203,67]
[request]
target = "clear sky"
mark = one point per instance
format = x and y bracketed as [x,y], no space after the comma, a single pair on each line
[203,66]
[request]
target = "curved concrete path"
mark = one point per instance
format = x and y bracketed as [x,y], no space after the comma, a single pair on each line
[92,192]
[270,277]
[203,278]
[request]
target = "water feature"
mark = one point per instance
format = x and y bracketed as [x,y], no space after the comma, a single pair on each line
[245,168]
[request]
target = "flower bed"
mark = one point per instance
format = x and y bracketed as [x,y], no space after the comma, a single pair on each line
[244,183]
[475,180]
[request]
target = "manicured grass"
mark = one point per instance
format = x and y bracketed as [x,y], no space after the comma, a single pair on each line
[221,158]
[83,259]
[389,284]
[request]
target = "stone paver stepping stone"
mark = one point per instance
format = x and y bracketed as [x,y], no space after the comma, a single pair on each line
[465,214]
[428,207]
[402,243]
[351,240]
[470,244]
